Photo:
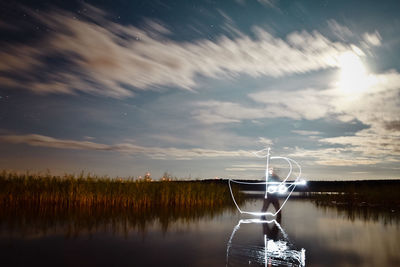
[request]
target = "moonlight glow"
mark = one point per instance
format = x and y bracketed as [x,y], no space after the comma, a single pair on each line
[353,76]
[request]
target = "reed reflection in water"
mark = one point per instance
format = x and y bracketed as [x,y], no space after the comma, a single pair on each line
[48,220]
[331,235]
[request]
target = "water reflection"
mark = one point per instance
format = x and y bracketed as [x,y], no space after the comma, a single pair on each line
[274,249]
[386,215]
[44,220]
[100,236]
[71,222]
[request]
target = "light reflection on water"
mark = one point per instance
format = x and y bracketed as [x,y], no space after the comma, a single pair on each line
[330,237]
[274,251]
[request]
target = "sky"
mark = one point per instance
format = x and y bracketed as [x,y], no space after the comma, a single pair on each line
[193,88]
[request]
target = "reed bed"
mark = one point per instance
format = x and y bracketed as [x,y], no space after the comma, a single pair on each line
[71,191]
[84,203]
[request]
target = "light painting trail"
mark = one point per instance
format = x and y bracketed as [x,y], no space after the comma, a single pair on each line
[271,187]
[281,252]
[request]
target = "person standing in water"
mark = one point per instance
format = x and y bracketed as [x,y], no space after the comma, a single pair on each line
[272,198]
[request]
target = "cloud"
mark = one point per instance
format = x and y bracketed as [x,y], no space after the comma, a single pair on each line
[236,169]
[373,39]
[369,142]
[334,157]
[309,104]
[366,147]
[216,112]
[99,56]
[265,141]
[194,136]
[46,141]
[268,3]
[340,31]
[392,125]
[127,148]
[348,162]
[376,106]
[303,132]
[246,167]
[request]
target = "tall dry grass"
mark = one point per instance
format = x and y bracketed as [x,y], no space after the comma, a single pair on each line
[89,202]
[71,191]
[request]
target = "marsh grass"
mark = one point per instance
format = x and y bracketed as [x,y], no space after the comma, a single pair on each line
[90,202]
[70,191]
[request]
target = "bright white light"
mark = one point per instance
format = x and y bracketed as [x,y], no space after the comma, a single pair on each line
[303,182]
[353,76]
[282,189]
[272,189]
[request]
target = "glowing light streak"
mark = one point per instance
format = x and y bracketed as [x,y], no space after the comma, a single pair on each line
[272,187]
[273,248]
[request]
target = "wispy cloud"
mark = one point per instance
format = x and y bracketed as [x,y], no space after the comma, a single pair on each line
[198,136]
[340,31]
[373,39]
[246,167]
[369,142]
[236,169]
[376,106]
[265,141]
[102,57]
[215,112]
[307,104]
[335,157]
[304,132]
[266,3]
[127,148]
[348,162]
[366,40]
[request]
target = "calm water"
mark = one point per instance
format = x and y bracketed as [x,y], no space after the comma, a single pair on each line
[325,236]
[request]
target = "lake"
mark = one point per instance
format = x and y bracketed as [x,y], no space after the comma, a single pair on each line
[304,234]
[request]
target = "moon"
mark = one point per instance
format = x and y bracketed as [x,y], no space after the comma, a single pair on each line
[353,74]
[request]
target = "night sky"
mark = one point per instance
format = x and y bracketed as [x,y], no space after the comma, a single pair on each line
[120,88]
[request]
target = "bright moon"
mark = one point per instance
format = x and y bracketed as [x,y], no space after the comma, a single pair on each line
[353,76]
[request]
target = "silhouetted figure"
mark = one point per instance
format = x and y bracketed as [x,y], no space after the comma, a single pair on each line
[270,229]
[272,198]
